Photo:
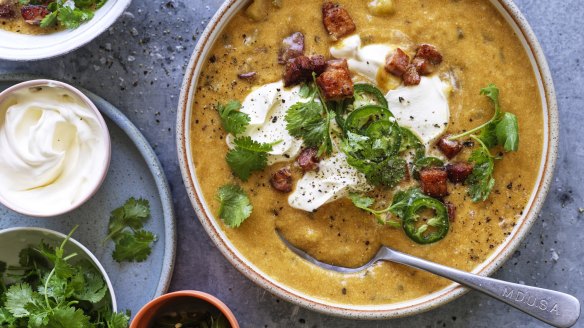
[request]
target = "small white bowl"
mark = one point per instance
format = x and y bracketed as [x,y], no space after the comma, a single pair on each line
[13,240]
[23,47]
[103,167]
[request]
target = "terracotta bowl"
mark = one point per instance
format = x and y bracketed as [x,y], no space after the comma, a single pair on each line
[550,131]
[146,314]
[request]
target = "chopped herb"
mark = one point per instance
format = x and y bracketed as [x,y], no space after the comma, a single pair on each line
[132,243]
[232,119]
[248,156]
[235,205]
[481,181]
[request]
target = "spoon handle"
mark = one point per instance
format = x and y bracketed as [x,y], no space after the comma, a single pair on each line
[555,308]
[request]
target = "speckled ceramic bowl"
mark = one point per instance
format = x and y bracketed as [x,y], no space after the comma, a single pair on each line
[12,240]
[550,146]
[23,47]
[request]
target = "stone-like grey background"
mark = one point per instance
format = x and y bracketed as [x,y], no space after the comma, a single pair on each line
[138,66]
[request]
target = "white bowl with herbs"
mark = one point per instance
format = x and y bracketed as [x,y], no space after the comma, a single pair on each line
[39,29]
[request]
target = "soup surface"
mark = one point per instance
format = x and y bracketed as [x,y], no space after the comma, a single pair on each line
[478,48]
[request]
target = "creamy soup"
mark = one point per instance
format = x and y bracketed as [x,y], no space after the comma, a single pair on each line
[478,48]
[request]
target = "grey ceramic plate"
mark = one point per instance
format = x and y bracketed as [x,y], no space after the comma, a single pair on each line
[134,171]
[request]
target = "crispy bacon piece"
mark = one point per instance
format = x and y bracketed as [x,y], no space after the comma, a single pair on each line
[429,53]
[308,159]
[335,82]
[397,63]
[337,20]
[282,180]
[451,208]
[449,148]
[458,172]
[433,182]
[300,69]
[7,11]
[426,59]
[34,14]
[292,47]
[411,76]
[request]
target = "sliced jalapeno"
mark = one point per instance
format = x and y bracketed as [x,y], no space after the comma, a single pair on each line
[367,94]
[433,229]
[362,117]
[386,138]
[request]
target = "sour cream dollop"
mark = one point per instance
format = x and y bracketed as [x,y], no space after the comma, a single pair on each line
[54,150]
[334,179]
[267,107]
[423,108]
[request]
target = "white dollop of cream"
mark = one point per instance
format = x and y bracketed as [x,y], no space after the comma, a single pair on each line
[52,150]
[334,179]
[423,108]
[366,61]
[267,107]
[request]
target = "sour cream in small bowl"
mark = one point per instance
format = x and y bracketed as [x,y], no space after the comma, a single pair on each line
[55,148]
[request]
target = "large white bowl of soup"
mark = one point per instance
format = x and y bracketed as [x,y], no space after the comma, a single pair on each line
[438,138]
[40,29]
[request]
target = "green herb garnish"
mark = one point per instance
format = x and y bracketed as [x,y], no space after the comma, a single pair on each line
[310,120]
[232,119]
[235,205]
[49,290]
[132,242]
[481,181]
[248,156]
[69,14]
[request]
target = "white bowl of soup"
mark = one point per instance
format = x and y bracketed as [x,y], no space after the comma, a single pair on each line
[485,47]
[22,41]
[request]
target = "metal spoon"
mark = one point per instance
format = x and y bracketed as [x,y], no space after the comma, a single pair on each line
[552,307]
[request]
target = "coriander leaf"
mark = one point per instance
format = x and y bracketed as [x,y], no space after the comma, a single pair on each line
[306,90]
[403,199]
[410,141]
[488,135]
[492,92]
[134,246]
[56,288]
[68,317]
[481,180]
[49,20]
[507,132]
[18,297]
[118,320]
[94,288]
[235,205]
[6,318]
[133,214]
[389,172]
[362,202]
[72,18]
[232,119]
[248,156]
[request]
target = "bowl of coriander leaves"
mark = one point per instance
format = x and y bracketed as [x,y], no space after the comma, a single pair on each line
[48,279]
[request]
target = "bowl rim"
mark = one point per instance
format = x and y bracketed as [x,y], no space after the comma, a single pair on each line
[216,302]
[541,70]
[70,40]
[104,166]
[85,250]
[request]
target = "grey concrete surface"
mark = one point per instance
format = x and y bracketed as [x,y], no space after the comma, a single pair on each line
[138,66]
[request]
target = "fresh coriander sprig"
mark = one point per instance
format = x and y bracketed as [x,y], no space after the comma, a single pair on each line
[235,205]
[132,242]
[67,15]
[364,203]
[233,120]
[481,182]
[248,156]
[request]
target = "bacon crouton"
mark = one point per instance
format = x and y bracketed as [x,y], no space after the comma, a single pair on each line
[426,59]
[335,82]
[337,20]
[299,69]
[458,172]
[308,159]
[411,76]
[433,182]
[7,11]
[292,47]
[397,63]
[449,148]
[34,14]
[282,180]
